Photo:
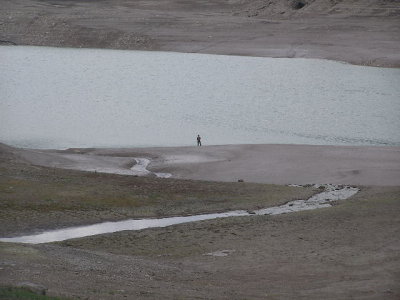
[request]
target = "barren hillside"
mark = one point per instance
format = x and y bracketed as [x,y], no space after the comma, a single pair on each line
[365,32]
[310,8]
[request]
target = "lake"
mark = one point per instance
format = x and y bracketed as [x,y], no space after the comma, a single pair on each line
[61,98]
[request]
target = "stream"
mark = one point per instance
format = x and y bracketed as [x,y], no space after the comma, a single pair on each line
[321,200]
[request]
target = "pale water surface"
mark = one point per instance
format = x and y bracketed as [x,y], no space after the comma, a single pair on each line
[59,98]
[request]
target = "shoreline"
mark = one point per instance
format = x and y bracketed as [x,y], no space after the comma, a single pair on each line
[259,163]
[347,251]
[341,61]
[36,194]
[358,34]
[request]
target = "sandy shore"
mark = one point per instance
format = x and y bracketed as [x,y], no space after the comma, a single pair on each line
[273,164]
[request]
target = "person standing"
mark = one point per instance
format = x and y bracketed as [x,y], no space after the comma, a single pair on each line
[198,140]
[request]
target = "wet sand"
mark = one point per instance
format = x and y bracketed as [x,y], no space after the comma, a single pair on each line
[273,164]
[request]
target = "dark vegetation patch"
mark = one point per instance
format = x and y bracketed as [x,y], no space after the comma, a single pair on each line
[9,293]
[298,4]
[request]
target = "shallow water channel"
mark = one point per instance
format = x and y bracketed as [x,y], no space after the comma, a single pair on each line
[140,169]
[321,200]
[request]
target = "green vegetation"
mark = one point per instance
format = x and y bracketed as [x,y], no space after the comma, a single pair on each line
[33,197]
[68,190]
[27,187]
[370,209]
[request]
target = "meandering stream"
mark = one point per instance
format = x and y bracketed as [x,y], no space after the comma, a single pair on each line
[140,169]
[320,200]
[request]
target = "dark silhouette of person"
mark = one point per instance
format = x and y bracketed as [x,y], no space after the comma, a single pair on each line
[198,140]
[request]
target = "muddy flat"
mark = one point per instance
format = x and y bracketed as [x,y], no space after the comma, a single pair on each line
[350,250]
[276,164]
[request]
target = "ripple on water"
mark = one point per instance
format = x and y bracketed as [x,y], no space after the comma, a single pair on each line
[129,98]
